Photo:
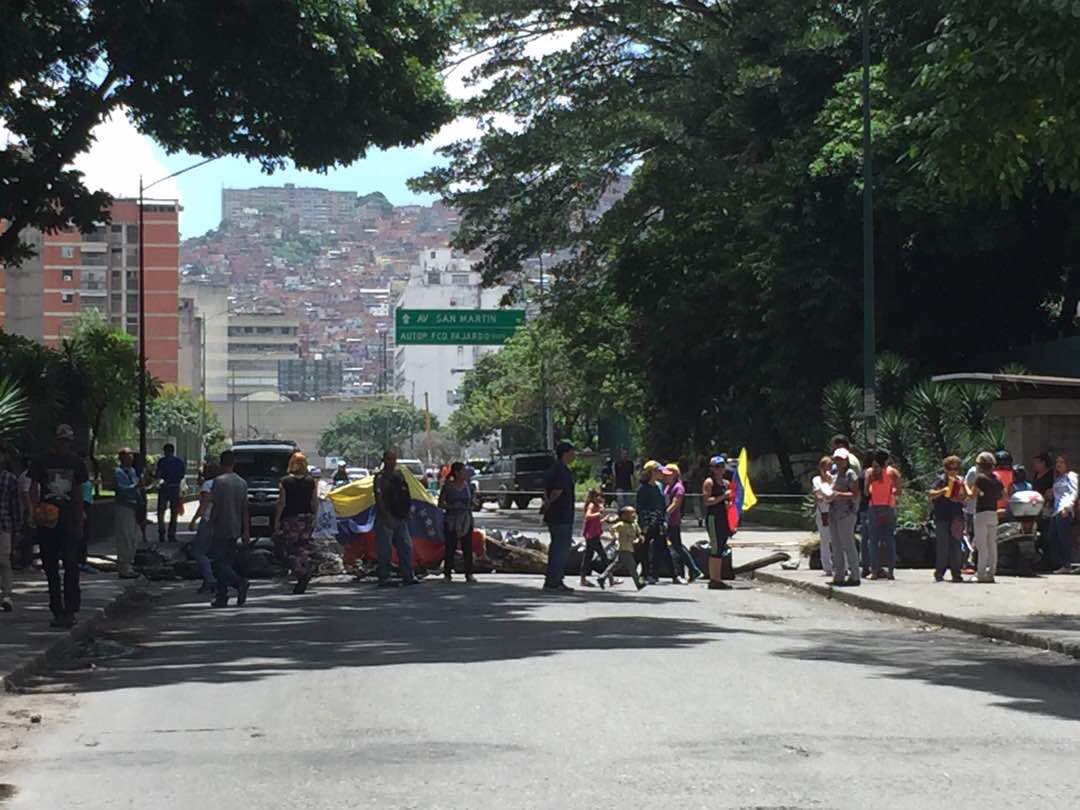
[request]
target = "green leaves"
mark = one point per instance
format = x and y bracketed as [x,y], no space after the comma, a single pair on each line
[312,82]
[14,408]
[175,412]
[361,434]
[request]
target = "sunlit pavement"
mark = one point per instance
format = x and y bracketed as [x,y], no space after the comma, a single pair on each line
[498,695]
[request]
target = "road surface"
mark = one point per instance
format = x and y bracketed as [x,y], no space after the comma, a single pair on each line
[498,696]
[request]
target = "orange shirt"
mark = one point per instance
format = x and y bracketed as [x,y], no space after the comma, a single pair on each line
[883,490]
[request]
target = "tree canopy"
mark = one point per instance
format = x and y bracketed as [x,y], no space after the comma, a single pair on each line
[315,82]
[736,252]
[363,433]
[176,411]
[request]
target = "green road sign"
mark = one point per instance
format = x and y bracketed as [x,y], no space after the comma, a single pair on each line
[456,327]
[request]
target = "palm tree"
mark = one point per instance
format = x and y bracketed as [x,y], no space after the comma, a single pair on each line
[14,408]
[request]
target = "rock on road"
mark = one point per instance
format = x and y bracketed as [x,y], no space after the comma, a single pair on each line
[498,696]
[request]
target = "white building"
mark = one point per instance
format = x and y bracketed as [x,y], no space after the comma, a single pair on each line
[441,281]
[204,326]
[256,342]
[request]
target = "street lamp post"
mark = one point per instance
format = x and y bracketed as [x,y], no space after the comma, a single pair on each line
[142,305]
[869,336]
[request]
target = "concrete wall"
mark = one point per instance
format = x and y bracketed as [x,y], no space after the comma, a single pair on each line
[302,422]
[1036,425]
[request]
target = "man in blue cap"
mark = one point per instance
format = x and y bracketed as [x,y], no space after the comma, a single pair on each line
[559,516]
[715,493]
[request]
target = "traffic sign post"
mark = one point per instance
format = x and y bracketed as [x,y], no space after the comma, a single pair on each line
[456,327]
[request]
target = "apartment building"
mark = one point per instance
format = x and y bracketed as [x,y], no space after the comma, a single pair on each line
[309,207]
[73,272]
[256,342]
[445,281]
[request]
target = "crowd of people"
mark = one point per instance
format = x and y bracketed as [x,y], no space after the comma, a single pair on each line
[48,500]
[967,508]
[646,527]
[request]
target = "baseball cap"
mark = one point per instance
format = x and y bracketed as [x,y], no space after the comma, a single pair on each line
[649,466]
[673,468]
[564,447]
[718,461]
[841,452]
[65,432]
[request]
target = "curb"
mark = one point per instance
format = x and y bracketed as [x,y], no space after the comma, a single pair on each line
[83,631]
[971,626]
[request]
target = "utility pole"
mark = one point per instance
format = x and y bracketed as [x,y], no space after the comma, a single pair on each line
[546,428]
[142,341]
[869,325]
[427,427]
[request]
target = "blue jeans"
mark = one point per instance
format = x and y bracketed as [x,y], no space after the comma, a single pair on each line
[880,527]
[223,553]
[200,548]
[1059,541]
[558,553]
[398,537]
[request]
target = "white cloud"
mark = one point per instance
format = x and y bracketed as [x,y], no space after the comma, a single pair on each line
[464,128]
[119,154]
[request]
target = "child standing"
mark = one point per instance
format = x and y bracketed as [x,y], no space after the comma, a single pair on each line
[594,531]
[626,534]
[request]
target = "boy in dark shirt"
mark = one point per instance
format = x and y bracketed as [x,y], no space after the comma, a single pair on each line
[56,481]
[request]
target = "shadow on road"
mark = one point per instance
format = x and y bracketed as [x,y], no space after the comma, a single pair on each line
[350,625]
[1025,680]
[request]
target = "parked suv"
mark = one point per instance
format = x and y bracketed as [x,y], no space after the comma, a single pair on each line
[519,473]
[261,464]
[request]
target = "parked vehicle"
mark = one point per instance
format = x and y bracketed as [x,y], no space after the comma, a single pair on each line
[262,463]
[520,473]
[357,473]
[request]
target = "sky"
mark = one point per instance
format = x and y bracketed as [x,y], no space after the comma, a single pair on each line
[120,154]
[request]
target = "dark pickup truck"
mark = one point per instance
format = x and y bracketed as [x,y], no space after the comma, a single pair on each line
[262,464]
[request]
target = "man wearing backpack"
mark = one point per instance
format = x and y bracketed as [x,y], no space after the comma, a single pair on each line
[392,507]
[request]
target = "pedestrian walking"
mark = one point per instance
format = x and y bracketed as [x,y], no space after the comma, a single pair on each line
[200,546]
[986,493]
[1063,511]
[230,518]
[558,508]
[456,499]
[393,505]
[294,518]
[627,533]
[947,495]
[623,470]
[882,488]
[593,532]
[843,512]
[651,512]
[715,495]
[11,518]
[675,496]
[169,473]
[821,486]
[56,479]
[25,535]
[130,501]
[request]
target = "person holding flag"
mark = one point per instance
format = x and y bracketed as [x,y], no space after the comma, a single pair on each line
[715,495]
[742,495]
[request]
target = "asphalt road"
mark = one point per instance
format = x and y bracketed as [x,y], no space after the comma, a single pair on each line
[497,696]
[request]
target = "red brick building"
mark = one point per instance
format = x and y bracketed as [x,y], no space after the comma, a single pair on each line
[99,270]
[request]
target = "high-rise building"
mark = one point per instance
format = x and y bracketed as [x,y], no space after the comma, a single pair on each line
[257,341]
[441,281]
[204,328]
[74,272]
[310,207]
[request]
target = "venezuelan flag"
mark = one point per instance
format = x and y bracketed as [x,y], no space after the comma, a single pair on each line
[742,495]
[354,505]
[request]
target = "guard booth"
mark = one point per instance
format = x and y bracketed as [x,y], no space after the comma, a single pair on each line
[1040,413]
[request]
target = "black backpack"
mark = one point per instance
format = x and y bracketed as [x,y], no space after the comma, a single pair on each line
[397,498]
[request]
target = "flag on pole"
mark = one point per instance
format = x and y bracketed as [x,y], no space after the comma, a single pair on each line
[742,493]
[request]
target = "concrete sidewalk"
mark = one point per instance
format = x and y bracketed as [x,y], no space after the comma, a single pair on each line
[1041,612]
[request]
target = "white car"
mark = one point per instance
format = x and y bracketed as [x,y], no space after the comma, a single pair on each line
[357,473]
